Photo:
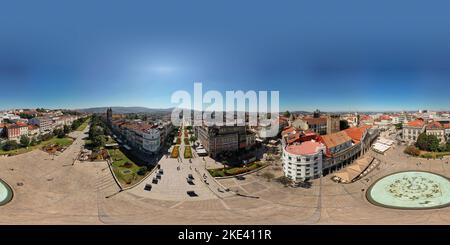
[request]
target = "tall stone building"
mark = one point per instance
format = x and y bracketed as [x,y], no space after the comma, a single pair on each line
[109,116]
[333,123]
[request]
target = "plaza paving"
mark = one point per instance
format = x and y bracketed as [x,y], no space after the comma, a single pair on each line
[53,191]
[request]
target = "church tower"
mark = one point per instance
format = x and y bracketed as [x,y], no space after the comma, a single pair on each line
[109,116]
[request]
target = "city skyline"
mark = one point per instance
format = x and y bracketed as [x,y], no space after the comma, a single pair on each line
[366,60]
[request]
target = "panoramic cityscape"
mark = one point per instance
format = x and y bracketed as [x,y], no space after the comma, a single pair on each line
[224,113]
[93,166]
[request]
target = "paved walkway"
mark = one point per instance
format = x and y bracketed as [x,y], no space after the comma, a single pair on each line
[173,184]
[56,192]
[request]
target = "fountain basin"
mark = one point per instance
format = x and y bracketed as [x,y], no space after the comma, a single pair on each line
[411,190]
[6,193]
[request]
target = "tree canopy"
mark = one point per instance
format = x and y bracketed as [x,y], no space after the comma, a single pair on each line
[427,142]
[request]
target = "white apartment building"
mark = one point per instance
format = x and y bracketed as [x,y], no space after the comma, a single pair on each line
[151,140]
[9,116]
[447,130]
[413,129]
[33,131]
[303,161]
[45,123]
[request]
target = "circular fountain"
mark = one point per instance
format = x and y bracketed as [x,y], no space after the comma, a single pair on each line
[5,193]
[411,190]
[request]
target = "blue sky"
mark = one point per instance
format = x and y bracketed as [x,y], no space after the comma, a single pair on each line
[331,55]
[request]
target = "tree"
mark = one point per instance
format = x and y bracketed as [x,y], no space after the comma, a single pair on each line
[10,145]
[285,180]
[59,133]
[399,126]
[45,137]
[24,141]
[192,139]
[287,114]
[34,142]
[427,142]
[26,116]
[412,150]
[98,141]
[422,142]
[95,131]
[142,170]
[448,145]
[106,131]
[66,129]
[268,176]
[343,124]
[433,143]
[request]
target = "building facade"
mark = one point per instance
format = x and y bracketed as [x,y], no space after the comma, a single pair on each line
[333,124]
[436,129]
[447,130]
[329,153]
[413,129]
[303,161]
[45,124]
[217,139]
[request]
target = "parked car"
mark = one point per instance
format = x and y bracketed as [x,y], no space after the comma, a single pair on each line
[192,194]
[155,181]
[148,187]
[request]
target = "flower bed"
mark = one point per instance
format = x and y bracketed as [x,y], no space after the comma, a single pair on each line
[187,152]
[175,152]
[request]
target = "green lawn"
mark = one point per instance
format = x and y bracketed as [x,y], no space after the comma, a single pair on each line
[55,140]
[110,141]
[84,125]
[124,168]
[61,142]
[434,155]
[231,171]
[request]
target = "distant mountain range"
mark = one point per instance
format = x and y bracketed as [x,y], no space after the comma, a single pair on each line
[125,110]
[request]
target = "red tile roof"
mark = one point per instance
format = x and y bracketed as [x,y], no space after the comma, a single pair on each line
[291,138]
[434,125]
[305,148]
[32,127]
[335,139]
[21,124]
[356,133]
[364,117]
[287,130]
[313,120]
[447,125]
[418,123]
